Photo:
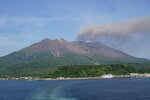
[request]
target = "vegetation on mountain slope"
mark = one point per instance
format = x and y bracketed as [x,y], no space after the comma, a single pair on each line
[34,69]
[91,70]
[40,58]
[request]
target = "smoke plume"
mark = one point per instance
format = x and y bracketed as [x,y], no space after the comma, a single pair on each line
[119,30]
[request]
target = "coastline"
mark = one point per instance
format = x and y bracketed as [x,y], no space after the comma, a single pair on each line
[108,76]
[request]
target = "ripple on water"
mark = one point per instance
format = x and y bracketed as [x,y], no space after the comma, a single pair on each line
[48,93]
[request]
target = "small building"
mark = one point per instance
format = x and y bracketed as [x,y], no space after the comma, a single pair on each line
[60,78]
[107,76]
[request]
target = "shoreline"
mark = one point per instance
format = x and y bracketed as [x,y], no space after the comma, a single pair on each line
[108,76]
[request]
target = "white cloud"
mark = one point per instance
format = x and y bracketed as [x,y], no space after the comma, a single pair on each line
[13,22]
[6,41]
[10,22]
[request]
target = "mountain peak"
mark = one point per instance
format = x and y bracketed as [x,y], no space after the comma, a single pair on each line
[60,47]
[60,40]
[45,40]
[57,39]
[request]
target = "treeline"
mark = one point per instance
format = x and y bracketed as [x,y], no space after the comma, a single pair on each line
[91,70]
[43,70]
[144,70]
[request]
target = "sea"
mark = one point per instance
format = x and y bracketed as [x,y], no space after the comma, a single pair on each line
[102,89]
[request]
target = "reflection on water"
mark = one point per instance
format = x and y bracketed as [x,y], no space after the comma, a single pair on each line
[22,90]
[53,92]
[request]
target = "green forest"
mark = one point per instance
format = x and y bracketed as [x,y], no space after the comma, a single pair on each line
[91,70]
[72,71]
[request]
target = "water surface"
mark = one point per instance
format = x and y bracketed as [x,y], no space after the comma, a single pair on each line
[104,89]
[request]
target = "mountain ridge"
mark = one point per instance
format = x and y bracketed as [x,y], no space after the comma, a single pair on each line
[39,58]
[60,46]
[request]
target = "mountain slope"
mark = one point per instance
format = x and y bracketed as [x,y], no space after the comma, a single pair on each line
[41,57]
[60,47]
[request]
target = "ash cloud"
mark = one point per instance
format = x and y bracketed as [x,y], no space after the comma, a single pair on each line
[115,30]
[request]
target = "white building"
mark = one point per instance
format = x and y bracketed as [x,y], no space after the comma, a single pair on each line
[60,78]
[107,76]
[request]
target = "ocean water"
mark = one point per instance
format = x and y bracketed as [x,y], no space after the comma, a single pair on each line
[104,89]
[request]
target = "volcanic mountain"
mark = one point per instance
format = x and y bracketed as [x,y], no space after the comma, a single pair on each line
[60,47]
[48,54]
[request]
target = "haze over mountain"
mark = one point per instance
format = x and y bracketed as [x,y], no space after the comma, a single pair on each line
[48,54]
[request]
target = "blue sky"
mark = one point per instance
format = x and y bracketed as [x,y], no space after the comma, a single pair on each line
[23,22]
